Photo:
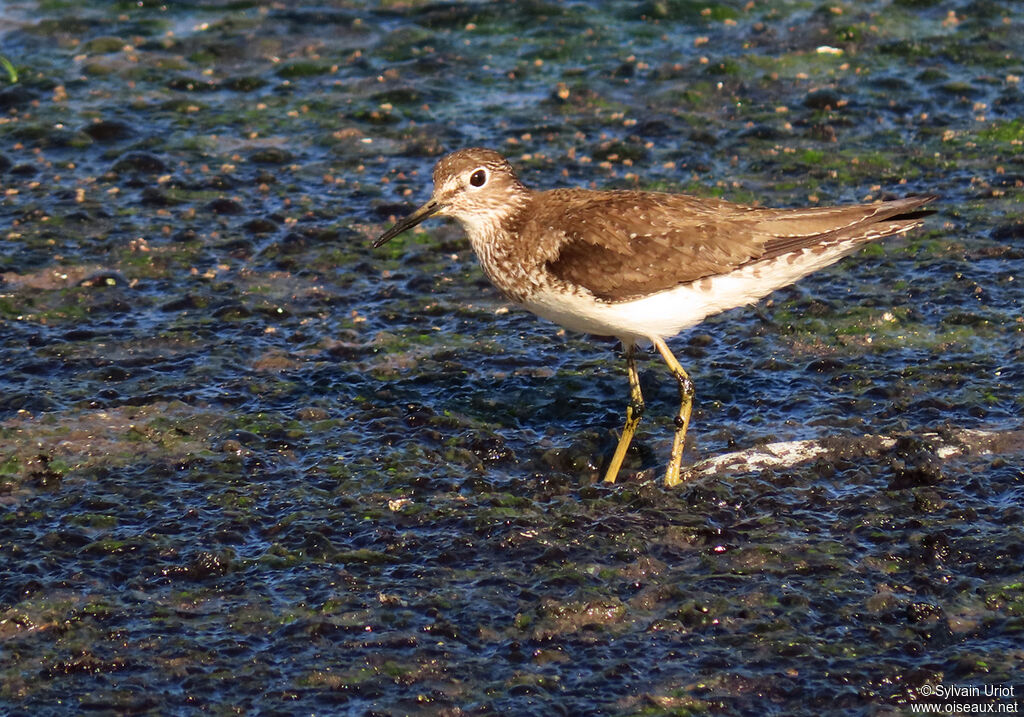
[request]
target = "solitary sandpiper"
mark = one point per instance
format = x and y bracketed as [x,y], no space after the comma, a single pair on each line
[640,266]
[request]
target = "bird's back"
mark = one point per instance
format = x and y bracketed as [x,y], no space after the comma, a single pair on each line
[624,244]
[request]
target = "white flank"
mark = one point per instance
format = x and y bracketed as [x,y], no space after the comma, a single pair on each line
[667,313]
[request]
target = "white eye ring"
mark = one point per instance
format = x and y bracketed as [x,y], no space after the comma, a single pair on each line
[478,178]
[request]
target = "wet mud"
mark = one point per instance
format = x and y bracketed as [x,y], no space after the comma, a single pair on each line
[249,464]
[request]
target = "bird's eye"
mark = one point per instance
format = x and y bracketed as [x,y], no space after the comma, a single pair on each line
[478,178]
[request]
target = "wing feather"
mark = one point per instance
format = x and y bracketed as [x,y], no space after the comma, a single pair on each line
[620,245]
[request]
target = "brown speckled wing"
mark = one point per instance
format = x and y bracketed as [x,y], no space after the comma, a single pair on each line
[621,245]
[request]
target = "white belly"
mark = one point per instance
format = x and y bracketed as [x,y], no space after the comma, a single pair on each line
[668,312]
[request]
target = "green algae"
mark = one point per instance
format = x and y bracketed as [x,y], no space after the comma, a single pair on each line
[1011,132]
[279,470]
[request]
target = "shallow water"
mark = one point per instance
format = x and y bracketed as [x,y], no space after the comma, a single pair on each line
[248,463]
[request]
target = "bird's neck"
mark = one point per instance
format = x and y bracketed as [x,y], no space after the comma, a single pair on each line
[494,228]
[495,234]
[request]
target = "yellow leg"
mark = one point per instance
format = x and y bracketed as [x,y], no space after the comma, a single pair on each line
[634,410]
[682,421]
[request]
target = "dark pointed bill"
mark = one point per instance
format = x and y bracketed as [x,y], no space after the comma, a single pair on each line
[427,210]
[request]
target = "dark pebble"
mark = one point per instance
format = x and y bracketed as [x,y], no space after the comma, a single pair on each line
[15,97]
[818,307]
[271,155]
[761,131]
[189,84]
[219,181]
[703,136]
[1008,231]
[142,162]
[312,413]
[114,373]
[1010,97]
[964,318]
[921,611]
[245,84]
[654,128]
[822,99]
[824,365]
[1008,180]
[104,45]
[203,566]
[293,243]
[399,96]
[108,130]
[914,464]
[491,449]
[103,279]
[823,132]
[890,82]
[246,438]
[184,303]
[392,210]
[232,311]
[348,350]
[155,197]
[619,151]
[260,226]
[225,206]
[417,415]
[238,248]
[79,335]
